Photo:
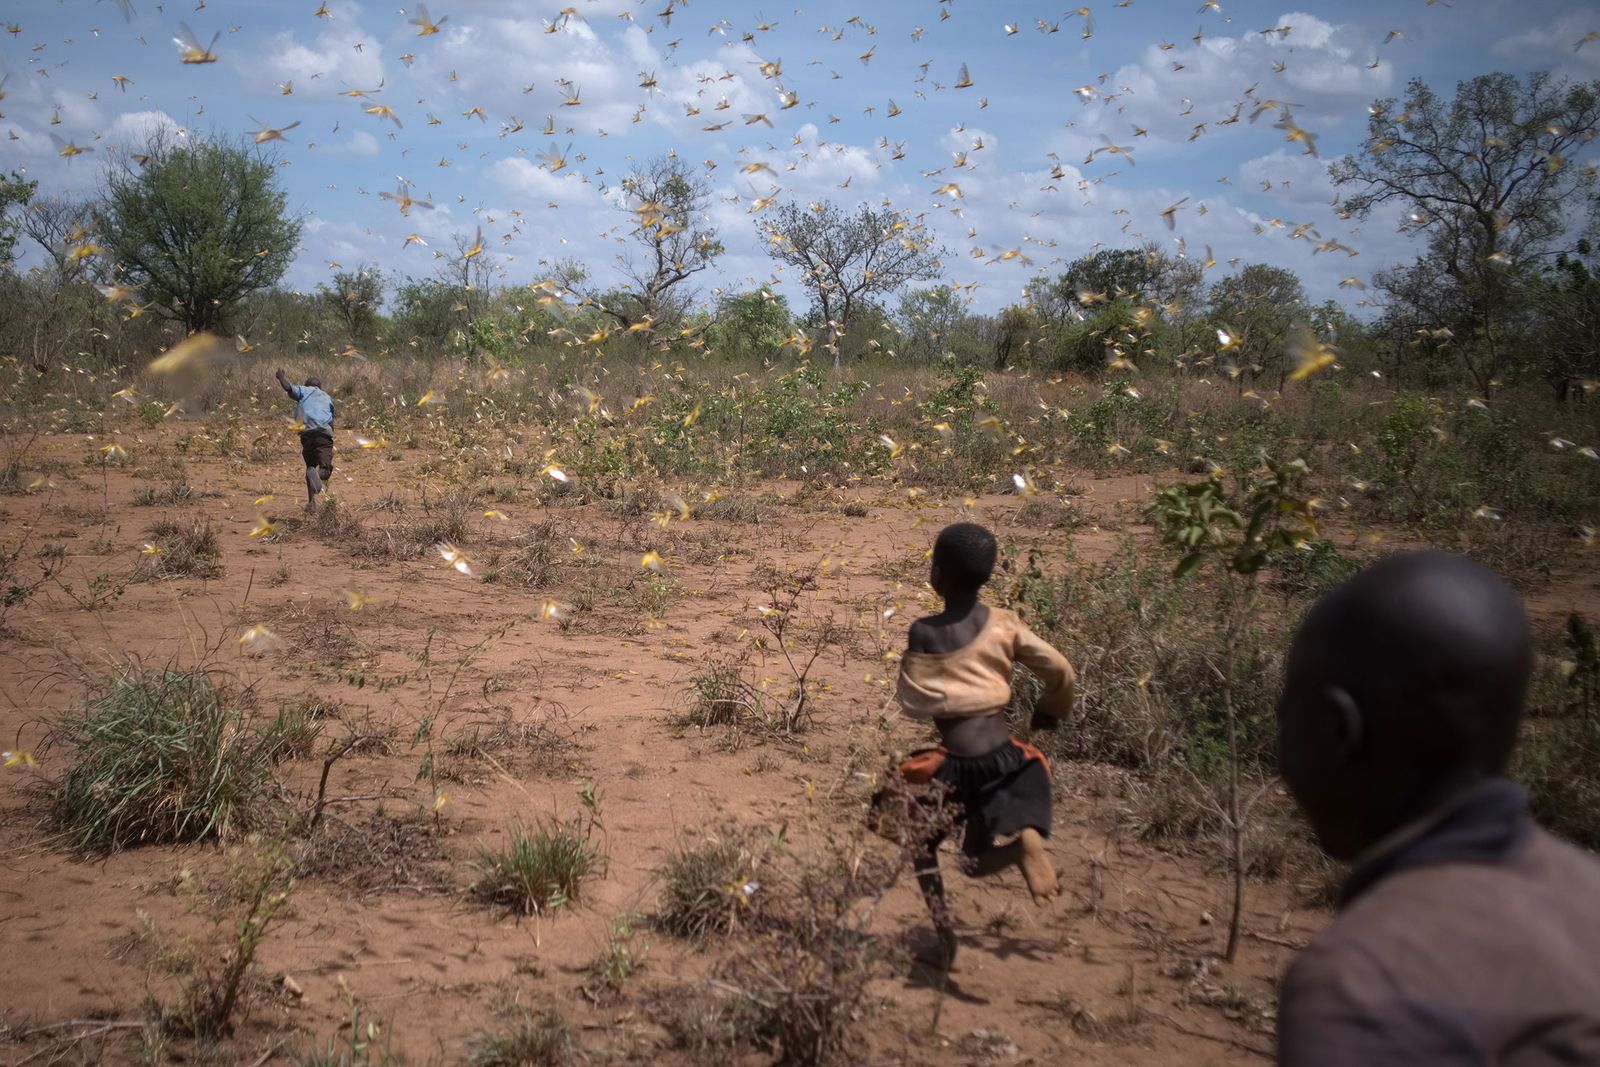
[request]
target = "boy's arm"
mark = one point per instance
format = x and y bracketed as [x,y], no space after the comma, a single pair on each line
[283,380]
[1051,668]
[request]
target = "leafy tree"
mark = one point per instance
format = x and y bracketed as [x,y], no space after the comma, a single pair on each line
[15,191]
[933,321]
[1014,332]
[1258,306]
[846,259]
[1146,274]
[1568,299]
[201,226]
[354,298]
[668,202]
[1488,179]
[756,323]
[423,310]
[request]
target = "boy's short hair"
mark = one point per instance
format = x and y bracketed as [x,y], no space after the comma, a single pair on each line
[965,553]
[314,382]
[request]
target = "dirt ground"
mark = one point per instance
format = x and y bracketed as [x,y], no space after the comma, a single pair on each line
[599,702]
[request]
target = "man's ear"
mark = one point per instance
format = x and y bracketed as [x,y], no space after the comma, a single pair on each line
[1350,724]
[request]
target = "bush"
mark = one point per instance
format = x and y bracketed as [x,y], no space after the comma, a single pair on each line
[539,870]
[703,888]
[180,549]
[1559,755]
[541,1040]
[159,756]
[531,563]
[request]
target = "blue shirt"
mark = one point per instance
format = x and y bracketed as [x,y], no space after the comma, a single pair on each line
[315,408]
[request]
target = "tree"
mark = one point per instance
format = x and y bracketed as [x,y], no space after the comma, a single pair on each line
[932,321]
[756,323]
[1488,179]
[1568,300]
[846,260]
[198,228]
[1239,530]
[1146,274]
[15,191]
[1258,306]
[61,228]
[354,299]
[668,202]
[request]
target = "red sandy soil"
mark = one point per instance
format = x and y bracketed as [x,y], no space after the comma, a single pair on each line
[1132,929]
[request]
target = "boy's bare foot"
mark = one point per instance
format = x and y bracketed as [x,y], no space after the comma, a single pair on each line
[1037,869]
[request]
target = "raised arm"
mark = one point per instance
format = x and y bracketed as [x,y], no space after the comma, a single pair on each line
[1051,668]
[283,380]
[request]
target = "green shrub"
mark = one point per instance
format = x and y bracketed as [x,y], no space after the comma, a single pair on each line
[158,756]
[539,870]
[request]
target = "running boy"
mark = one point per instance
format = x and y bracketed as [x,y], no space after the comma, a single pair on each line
[314,411]
[956,673]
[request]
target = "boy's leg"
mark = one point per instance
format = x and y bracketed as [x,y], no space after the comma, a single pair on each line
[1027,853]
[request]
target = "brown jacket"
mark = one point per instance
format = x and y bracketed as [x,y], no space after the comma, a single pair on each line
[975,679]
[1456,963]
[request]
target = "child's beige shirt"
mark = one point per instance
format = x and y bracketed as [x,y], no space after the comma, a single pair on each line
[975,680]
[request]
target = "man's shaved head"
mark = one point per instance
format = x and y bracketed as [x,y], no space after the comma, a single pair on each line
[1402,684]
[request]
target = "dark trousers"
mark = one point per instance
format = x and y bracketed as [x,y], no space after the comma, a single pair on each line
[316,446]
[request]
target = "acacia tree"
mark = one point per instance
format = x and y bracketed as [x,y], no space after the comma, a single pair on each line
[848,259]
[668,202]
[198,228]
[56,286]
[1489,180]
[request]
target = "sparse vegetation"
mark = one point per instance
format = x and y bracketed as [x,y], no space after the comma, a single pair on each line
[706,887]
[159,756]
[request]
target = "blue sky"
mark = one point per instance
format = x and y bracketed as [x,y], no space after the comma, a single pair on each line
[1023,127]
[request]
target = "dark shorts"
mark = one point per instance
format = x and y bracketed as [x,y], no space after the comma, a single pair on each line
[317,448]
[998,794]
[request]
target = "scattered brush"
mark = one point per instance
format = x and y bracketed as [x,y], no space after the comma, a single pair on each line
[159,756]
[534,1040]
[180,549]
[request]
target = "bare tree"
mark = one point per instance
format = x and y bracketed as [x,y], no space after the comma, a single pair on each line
[668,203]
[848,259]
[1488,178]
[61,228]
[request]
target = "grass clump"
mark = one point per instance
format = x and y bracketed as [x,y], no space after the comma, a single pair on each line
[534,1040]
[158,756]
[703,888]
[150,496]
[720,694]
[531,562]
[180,549]
[538,870]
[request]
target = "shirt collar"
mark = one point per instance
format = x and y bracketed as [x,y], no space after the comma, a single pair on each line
[1484,824]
